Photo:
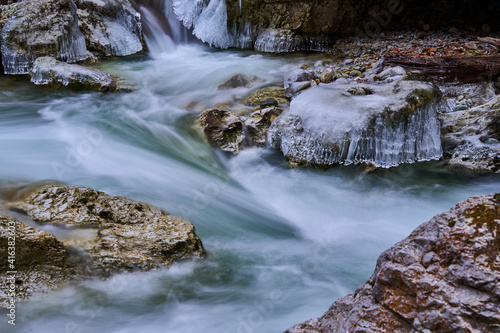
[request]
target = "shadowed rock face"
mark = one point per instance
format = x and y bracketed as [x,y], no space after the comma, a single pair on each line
[66,233]
[444,277]
[350,16]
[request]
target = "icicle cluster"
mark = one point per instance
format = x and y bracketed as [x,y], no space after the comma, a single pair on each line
[327,125]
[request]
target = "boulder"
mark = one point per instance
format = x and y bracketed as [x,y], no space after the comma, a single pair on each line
[111,28]
[73,232]
[443,278]
[239,81]
[41,262]
[41,28]
[388,124]
[471,138]
[223,129]
[64,29]
[49,72]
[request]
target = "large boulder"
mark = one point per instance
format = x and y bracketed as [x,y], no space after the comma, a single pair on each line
[41,28]
[91,234]
[444,277]
[67,30]
[382,124]
[111,28]
[49,72]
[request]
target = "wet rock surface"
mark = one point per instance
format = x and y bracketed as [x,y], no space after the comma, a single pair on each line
[112,28]
[443,278]
[471,138]
[25,36]
[223,129]
[89,233]
[51,73]
[346,122]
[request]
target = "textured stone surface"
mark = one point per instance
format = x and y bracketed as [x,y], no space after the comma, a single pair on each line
[97,235]
[41,261]
[67,30]
[471,138]
[223,129]
[52,73]
[445,277]
[41,28]
[111,28]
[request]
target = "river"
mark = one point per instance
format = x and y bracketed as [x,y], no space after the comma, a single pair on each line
[282,243]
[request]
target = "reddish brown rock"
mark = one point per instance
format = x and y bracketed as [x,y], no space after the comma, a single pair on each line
[445,277]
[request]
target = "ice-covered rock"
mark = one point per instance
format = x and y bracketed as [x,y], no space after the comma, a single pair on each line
[444,277]
[41,28]
[391,124]
[111,28]
[470,138]
[49,72]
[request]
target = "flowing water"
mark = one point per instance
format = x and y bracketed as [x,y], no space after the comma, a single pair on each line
[282,243]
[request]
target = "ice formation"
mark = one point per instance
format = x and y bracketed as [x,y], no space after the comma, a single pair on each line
[390,124]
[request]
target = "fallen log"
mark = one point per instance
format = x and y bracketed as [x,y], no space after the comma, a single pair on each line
[464,69]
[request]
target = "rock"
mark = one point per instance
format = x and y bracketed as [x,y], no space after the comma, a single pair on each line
[327,125]
[223,129]
[238,80]
[327,76]
[466,138]
[258,124]
[354,73]
[259,96]
[64,29]
[42,262]
[392,72]
[269,103]
[41,28]
[286,40]
[443,278]
[111,28]
[100,235]
[51,73]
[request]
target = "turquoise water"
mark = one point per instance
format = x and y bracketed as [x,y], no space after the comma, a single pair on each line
[283,243]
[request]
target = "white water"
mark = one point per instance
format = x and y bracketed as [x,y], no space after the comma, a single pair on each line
[283,244]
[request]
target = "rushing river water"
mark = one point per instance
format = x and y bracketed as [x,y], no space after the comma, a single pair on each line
[283,244]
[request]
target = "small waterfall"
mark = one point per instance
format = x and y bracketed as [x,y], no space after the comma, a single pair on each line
[155,33]
[162,28]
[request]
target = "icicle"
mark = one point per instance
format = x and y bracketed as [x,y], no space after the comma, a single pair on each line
[326,125]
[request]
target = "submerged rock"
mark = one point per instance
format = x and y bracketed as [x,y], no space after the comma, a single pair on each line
[95,235]
[51,73]
[443,278]
[387,125]
[223,129]
[41,28]
[239,80]
[471,138]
